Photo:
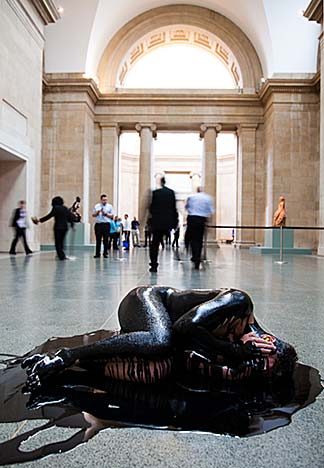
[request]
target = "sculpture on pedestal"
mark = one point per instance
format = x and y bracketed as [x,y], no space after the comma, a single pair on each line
[279,218]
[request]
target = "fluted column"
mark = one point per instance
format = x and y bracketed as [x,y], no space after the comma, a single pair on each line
[246,161]
[110,163]
[147,133]
[321,187]
[209,166]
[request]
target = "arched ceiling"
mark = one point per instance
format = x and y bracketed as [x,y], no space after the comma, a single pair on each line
[284,40]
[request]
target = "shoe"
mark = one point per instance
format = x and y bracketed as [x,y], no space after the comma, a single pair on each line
[153,270]
[29,253]
[105,256]
[96,256]
[12,253]
[197,265]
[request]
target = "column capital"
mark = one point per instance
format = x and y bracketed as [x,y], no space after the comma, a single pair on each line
[151,126]
[107,125]
[248,127]
[205,126]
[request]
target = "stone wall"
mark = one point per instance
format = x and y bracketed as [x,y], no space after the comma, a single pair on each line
[292,160]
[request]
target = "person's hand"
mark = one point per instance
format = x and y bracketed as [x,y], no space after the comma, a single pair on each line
[40,367]
[265,346]
[35,220]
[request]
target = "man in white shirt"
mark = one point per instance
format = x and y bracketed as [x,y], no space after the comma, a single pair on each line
[199,207]
[103,212]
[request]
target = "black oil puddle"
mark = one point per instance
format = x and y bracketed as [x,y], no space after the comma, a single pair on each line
[89,403]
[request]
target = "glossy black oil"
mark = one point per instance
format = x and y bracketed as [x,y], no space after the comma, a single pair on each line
[91,403]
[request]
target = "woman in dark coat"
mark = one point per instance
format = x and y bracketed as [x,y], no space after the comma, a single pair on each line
[62,217]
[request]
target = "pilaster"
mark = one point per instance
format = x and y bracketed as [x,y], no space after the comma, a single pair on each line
[147,132]
[246,171]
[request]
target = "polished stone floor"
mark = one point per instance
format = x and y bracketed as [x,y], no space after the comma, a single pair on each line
[42,297]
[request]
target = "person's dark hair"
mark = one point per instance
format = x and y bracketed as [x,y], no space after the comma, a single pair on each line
[78,199]
[21,202]
[162,181]
[57,201]
[286,359]
[102,196]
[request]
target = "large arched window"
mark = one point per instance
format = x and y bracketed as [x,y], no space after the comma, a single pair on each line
[179,66]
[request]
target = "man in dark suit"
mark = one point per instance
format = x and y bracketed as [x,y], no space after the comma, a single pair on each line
[19,222]
[163,217]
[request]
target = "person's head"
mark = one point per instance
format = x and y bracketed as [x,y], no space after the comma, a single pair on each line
[77,199]
[125,215]
[134,218]
[104,199]
[57,201]
[285,359]
[200,189]
[21,204]
[162,181]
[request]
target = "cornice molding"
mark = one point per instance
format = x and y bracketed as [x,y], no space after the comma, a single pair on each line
[70,83]
[280,85]
[314,11]
[60,83]
[47,10]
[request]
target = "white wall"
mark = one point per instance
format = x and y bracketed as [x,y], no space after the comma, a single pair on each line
[21,49]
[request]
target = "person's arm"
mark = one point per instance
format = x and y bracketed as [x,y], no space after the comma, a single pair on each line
[48,216]
[15,217]
[196,328]
[95,212]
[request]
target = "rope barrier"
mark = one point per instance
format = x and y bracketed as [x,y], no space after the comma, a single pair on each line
[280,261]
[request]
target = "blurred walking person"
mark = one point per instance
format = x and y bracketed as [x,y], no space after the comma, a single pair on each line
[163,217]
[199,207]
[19,223]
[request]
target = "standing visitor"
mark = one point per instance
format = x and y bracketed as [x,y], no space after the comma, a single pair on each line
[104,213]
[135,232]
[126,230]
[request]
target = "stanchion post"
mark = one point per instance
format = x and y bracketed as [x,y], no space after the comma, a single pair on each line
[281,262]
[205,245]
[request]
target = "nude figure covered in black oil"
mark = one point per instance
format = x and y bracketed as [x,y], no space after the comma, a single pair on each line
[208,333]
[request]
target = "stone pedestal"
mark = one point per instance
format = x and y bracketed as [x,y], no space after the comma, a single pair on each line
[272,243]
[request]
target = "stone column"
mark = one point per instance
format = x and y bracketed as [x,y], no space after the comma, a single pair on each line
[147,132]
[209,167]
[246,161]
[321,181]
[110,163]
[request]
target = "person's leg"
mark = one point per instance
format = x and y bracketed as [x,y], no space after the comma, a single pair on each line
[26,246]
[12,250]
[115,240]
[105,234]
[154,249]
[196,229]
[146,333]
[97,229]
[137,238]
[58,238]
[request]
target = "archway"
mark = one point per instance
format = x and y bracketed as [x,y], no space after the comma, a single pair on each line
[201,23]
